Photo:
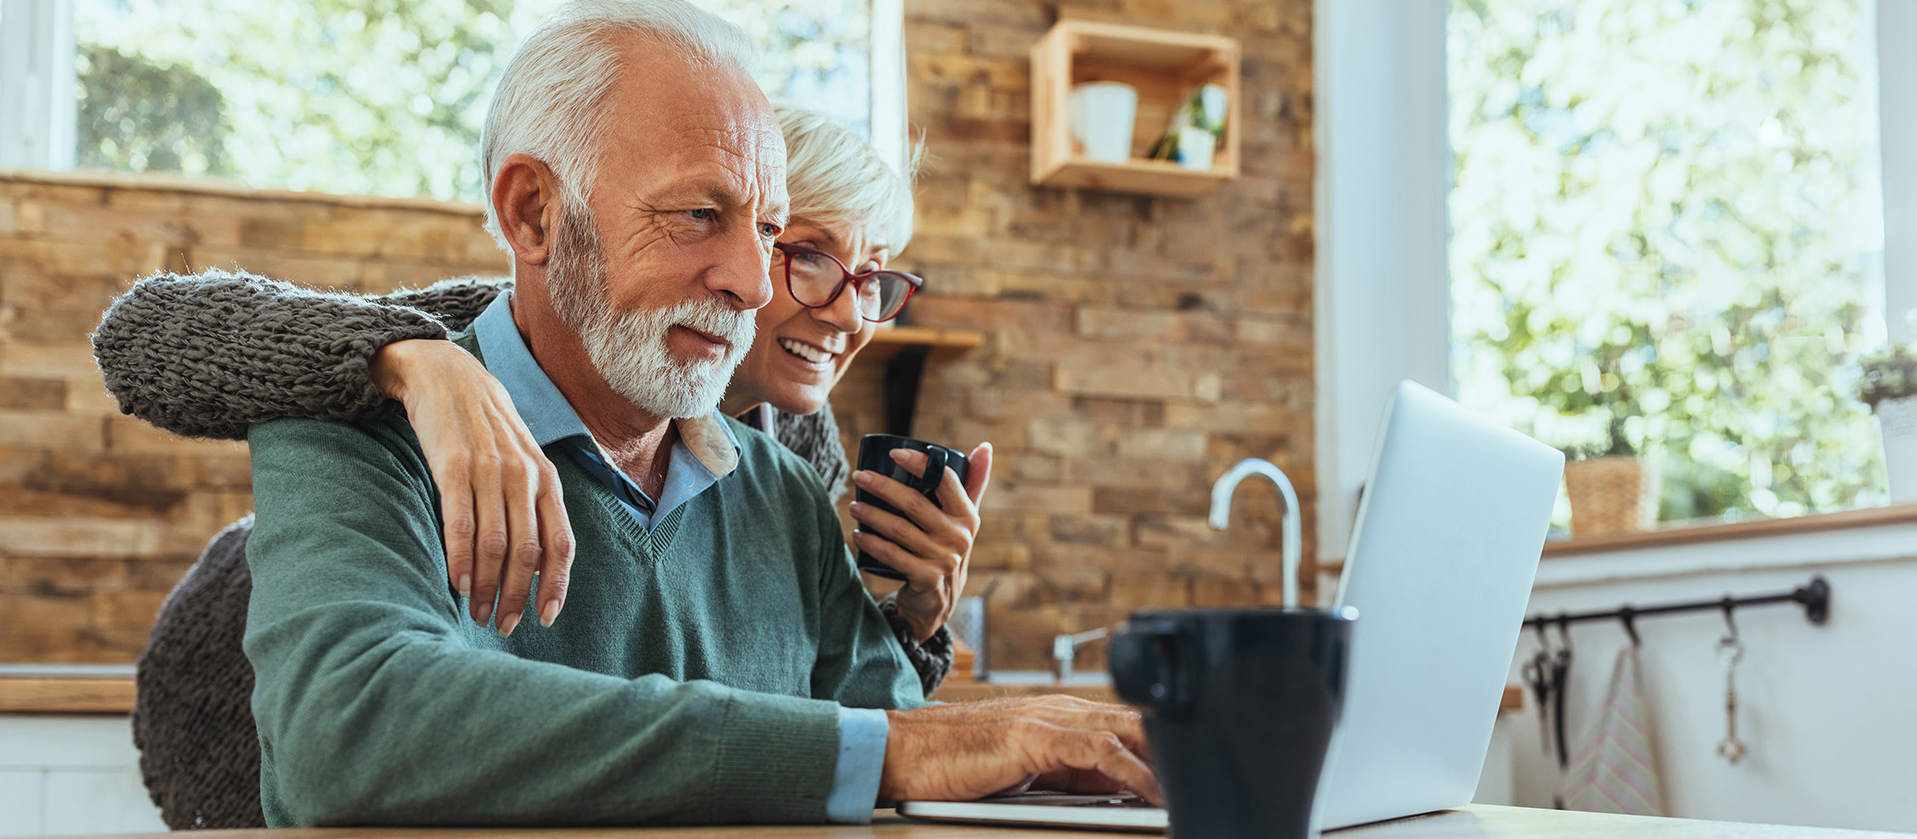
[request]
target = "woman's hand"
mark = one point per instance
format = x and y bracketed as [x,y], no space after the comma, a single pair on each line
[505,517]
[931,546]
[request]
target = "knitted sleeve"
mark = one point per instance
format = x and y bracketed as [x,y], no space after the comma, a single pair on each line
[933,658]
[212,354]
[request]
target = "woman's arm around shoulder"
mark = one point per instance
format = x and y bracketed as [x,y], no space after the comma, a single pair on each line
[209,355]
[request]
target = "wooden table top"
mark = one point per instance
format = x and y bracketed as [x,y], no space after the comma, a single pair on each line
[114,694]
[1476,821]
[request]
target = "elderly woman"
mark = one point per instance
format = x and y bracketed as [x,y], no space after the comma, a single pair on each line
[213,354]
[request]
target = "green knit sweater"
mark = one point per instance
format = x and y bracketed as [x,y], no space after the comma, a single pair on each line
[695,675]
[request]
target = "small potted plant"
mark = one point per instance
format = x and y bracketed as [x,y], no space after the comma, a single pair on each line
[1612,489]
[1889,386]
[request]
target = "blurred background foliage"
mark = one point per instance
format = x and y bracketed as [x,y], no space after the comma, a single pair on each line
[377,97]
[140,115]
[1667,236]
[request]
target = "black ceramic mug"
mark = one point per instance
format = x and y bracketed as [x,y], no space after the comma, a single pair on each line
[1239,705]
[875,455]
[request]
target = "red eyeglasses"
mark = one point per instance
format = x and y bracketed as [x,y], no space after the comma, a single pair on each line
[816,278]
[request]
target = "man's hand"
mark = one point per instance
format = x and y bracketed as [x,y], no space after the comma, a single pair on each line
[969,750]
[504,516]
[932,544]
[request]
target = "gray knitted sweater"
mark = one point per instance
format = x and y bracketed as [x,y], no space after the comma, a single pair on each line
[214,354]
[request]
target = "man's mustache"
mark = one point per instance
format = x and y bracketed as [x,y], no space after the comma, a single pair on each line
[718,320]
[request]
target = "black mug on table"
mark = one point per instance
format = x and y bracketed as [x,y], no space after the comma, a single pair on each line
[1239,705]
[875,455]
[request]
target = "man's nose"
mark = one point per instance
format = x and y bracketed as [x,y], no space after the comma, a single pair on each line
[742,270]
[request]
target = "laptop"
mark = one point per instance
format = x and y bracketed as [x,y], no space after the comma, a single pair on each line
[1443,555]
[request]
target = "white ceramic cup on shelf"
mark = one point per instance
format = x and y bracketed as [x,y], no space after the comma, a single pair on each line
[1101,116]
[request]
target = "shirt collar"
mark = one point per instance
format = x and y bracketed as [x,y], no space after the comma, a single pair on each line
[551,418]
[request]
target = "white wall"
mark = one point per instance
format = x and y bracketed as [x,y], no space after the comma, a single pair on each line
[1383,174]
[1825,710]
[71,774]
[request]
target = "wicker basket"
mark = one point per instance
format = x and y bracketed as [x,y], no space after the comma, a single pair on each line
[1611,495]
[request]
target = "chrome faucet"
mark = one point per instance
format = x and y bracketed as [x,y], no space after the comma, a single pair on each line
[1065,651]
[1289,543]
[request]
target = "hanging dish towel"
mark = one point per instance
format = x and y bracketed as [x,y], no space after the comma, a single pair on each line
[1613,768]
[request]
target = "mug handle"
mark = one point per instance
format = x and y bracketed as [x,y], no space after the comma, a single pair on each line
[1151,667]
[928,482]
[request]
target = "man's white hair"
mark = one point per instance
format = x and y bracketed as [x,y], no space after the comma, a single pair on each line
[550,103]
[833,175]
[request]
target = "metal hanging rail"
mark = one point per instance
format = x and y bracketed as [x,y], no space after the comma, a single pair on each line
[1813,596]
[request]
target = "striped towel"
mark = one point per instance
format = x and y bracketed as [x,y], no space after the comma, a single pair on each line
[1613,768]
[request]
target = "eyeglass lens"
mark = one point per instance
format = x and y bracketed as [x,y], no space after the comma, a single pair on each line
[815,278]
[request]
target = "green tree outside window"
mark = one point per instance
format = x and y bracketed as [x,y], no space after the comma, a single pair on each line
[1666,237]
[379,97]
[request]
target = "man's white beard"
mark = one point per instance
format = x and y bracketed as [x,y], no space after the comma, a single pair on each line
[629,349]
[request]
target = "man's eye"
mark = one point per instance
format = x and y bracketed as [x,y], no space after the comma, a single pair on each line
[770,230]
[703,213]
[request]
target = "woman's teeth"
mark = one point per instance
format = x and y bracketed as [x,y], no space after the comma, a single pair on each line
[805,351]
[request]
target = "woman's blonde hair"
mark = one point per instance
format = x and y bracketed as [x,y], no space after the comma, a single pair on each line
[833,175]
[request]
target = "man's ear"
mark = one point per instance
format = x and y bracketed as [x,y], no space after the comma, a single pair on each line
[526,198]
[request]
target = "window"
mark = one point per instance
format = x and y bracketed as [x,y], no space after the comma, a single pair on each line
[1383,296]
[387,97]
[1667,237]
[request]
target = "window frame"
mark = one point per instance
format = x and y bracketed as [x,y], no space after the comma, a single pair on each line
[38,128]
[1382,302]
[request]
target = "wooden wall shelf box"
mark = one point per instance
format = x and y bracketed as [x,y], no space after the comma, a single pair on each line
[1165,67]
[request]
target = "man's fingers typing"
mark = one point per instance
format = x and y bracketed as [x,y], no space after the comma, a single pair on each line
[1107,755]
[969,749]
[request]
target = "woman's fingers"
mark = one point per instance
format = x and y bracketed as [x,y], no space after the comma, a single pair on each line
[978,472]
[523,548]
[954,504]
[490,541]
[555,571]
[898,529]
[920,573]
[456,507]
[504,516]
[917,511]
[930,542]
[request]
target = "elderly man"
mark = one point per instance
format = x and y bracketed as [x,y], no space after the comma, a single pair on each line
[719,660]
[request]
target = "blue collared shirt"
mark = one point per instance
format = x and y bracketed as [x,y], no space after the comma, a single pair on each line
[705,452]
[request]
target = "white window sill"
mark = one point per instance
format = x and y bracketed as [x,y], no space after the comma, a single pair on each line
[1853,537]
[1870,535]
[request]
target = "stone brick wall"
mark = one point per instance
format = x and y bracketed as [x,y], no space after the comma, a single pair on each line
[1134,347]
[100,514]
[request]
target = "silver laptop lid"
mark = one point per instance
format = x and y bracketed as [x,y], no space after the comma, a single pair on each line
[1443,555]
